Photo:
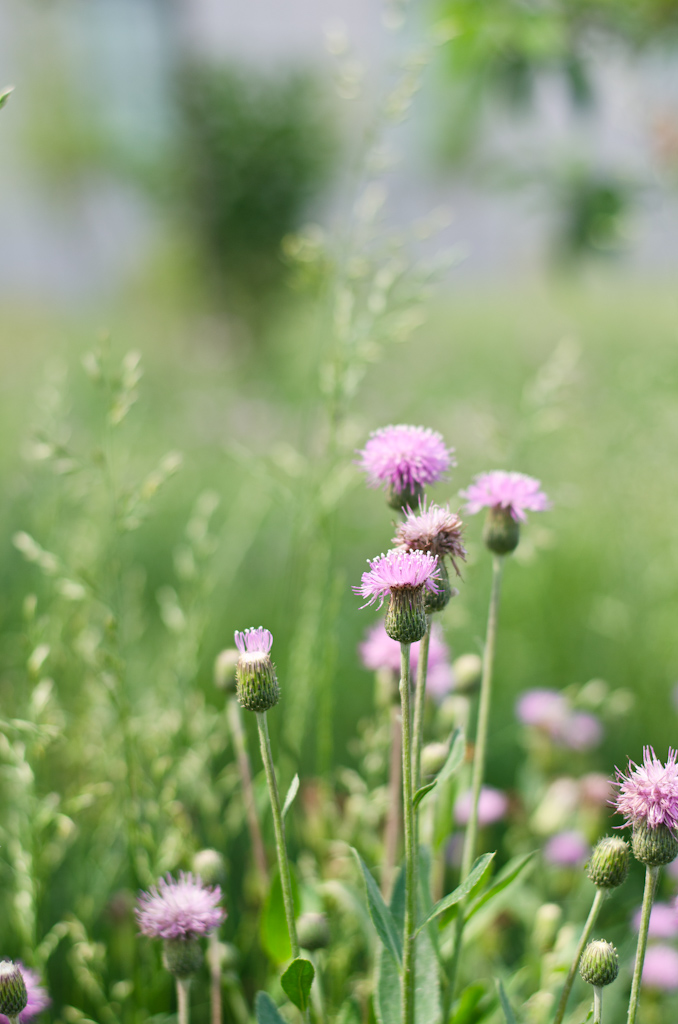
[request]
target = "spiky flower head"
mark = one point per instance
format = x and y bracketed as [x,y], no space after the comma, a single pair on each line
[609,864]
[184,909]
[649,792]
[599,963]
[404,460]
[434,529]
[404,576]
[13,994]
[257,683]
[515,492]
[37,999]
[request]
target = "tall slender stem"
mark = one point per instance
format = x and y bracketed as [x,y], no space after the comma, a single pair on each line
[279,829]
[471,836]
[214,961]
[240,744]
[651,878]
[585,936]
[419,703]
[392,829]
[410,851]
[597,1004]
[183,986]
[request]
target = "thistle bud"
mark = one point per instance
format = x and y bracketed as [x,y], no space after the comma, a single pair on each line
[13,994]
[599,963]
[433,757]
[225,666]
[501,532]
[468,671]
[257,685]
[406,615]
[210,866]
[653,846]
[401,498]
[182,957]
[313,931]
[609,864]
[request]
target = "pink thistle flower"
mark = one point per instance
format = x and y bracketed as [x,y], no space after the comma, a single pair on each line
[38,1000]
[649,792]
[514,492]
[185,909]
[435,529]
[254,641]
[660,968]
[397,571]
[404,457]
[567,849]
[379,651]
[492,806]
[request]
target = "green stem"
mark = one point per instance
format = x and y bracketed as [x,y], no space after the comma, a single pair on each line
[585,936]
[597,1004]
[471,836]
[651,878]
[393,816]
[240,744]
[279,829]
[419,703]
[410,851]
[214,961]
[183,985]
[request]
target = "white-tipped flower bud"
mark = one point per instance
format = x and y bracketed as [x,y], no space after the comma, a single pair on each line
[313,931]
[13,994]
[653,846]
[468,670]
[182,957]
[210,866]
[609,864]
[258,688]
[599,963]
[433,757]
[225,665]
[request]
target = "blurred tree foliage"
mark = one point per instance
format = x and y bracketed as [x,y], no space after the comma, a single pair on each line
[255,151]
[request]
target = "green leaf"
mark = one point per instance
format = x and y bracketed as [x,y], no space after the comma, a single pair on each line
[466,1011]
[462,891]
[274,935]
[421,793]
[5,95]
[427,1008]
[505,1005]
[297,981]
[266,1011]
[455,758]
[506,876]
[382,917]
[291,793]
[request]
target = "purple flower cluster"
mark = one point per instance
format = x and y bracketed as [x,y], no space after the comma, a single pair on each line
[649,791]
[38,1000]
[551,713]
[398,570]
[404,457]
[254,641]
[515,492]
[185,909]
[379,651]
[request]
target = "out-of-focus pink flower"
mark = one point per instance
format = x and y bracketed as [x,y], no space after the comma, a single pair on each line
[550,711]
[38,1000]
[492,806]
[649,791]
[404,457]
[567,849]
[660,968]
[581,731]
[183,909]
[515,492]
[398,570]
[663,921]
[379,651]
[596,789]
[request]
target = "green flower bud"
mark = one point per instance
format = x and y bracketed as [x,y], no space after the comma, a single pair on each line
[406,615]
[468,671]
[599,963]
[501,531]
[13,995]
[225,669]
[609,864]
[210,865]
[653,846]
[258,688]
[410,497]
[313,931]
[182,957]
[433,757]
[436,602]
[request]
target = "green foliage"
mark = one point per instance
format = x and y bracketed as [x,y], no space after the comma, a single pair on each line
[297,981]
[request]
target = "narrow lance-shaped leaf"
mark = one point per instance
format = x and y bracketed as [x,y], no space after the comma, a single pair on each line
[297,981]
[382,917]
[291,793]
[509,1015]
[266,1011]
[462,891]
[509,874]
[455,757]
[421,793]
